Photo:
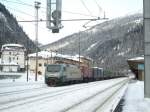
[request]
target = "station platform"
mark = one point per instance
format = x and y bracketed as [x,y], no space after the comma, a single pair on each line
[134,100]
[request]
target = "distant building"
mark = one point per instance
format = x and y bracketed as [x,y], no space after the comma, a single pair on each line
[44,57]
[47,57]
[13,58]
[9,67]
[137,67]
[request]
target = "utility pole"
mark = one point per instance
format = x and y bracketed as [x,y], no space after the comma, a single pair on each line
[79,49]
[37,6]
[27,62]
[51,56]
[146,15]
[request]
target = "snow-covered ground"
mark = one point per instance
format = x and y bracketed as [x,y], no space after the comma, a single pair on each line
[86,97]
[22,78]
[30,94]
[134,98]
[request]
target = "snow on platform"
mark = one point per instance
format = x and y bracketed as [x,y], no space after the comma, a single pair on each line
[134,98]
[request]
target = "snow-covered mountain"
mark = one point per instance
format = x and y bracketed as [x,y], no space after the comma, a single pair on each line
[11,32]
[109,43]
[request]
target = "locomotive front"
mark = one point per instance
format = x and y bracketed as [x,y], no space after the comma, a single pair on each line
[53,74]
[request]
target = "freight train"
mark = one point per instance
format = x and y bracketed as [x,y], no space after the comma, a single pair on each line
[58,74]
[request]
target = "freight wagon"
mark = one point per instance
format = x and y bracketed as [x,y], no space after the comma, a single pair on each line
[86,74]
[97,73]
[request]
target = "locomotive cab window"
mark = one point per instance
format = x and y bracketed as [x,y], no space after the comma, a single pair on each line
[64,68]
[53,68]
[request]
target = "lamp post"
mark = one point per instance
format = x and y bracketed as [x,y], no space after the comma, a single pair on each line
[37,6]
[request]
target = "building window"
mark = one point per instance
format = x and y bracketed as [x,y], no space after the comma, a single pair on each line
[9,53]
[9,59]
[39,72]
[17,58]
[40,64]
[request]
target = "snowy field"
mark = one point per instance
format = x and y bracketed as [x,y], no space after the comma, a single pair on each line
[100,96]
[134,98]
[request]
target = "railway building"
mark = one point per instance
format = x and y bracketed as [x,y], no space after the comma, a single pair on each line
[44,57]
[49,57]
[137,67]
[12,58]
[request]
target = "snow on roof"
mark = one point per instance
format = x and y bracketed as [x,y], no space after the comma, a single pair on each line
[48,54]
[85,57]
[12,45]
[97,67]
[75,58]
[136,58]
[43,54]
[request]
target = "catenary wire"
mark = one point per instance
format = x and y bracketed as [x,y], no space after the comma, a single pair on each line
[26,4]
[83,3]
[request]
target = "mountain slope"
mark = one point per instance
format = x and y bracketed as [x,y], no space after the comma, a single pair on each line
[110,43]
[11,32]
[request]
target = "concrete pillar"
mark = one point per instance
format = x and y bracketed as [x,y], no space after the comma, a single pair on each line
[146,14]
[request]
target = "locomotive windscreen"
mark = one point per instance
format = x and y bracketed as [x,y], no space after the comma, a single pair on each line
[53,68]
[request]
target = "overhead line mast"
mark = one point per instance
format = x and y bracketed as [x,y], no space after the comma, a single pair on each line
[37,6]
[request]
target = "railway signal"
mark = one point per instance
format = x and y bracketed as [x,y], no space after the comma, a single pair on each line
[54,15]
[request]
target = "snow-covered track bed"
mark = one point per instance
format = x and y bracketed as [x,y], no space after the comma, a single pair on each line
[99,101]
[25,97]
[60,99]
[11,88]
[12,84]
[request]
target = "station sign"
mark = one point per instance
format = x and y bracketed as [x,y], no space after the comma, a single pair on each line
[140,66]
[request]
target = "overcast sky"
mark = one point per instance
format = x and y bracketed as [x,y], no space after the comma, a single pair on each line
[86,8]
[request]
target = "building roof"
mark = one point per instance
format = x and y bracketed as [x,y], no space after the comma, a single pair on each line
[48,54]
[43,54]
[15,45]
[137,59]
[12,47]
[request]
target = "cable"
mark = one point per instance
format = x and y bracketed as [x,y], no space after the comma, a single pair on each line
[86,8]
[95,19]
[48,20]
[79,13]
[100,8]
[22,17]
[19,3]
[26,4]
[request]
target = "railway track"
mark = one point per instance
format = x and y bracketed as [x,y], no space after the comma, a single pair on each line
[47,95]
[23,98]
[78,105]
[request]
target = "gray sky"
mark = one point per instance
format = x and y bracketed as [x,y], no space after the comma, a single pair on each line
[113,9]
